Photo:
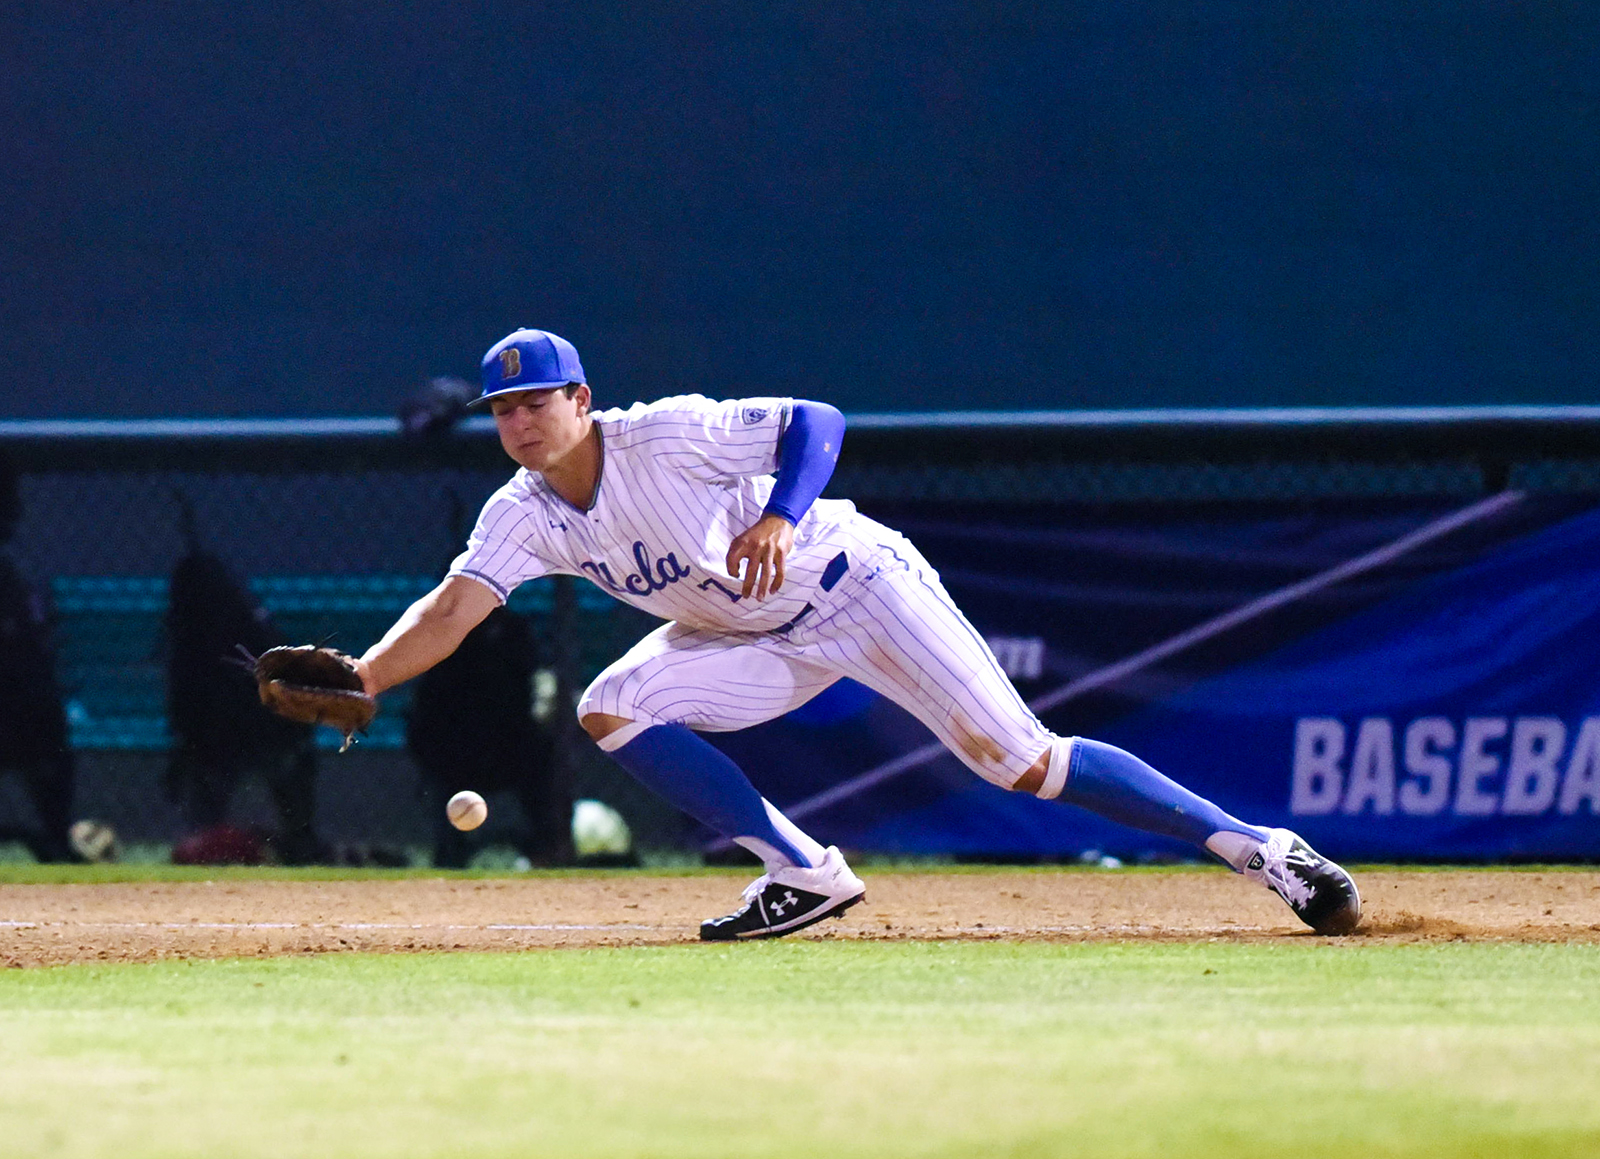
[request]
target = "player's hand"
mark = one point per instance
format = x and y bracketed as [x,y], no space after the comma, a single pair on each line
[369,683]
[758,554]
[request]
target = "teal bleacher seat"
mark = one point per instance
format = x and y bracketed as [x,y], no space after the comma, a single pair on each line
[110,643]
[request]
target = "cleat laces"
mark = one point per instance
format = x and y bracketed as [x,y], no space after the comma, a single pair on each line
[750,894]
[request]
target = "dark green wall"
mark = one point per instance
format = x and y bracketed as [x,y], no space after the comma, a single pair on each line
[301,208]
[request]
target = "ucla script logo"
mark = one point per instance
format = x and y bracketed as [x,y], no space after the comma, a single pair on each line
[651,577]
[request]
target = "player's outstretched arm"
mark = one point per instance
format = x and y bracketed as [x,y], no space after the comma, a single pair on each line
[426,633]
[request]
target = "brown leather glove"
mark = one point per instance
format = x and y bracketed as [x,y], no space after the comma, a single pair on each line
[315,686]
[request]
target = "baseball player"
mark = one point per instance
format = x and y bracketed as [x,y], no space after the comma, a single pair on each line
[706,514]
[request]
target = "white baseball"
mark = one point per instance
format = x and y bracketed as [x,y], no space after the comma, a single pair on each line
[467,810]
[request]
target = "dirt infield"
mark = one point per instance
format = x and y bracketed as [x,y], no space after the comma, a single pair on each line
[53,924]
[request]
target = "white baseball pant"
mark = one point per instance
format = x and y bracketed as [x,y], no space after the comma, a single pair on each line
[891,626]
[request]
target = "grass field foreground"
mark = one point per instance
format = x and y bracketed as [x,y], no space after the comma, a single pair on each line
[831,1048]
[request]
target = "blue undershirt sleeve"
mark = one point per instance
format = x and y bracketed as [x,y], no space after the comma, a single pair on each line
[807,453]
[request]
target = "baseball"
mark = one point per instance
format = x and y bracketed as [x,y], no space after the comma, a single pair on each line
[466,810]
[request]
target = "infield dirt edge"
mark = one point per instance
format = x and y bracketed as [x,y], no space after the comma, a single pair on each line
[239,916]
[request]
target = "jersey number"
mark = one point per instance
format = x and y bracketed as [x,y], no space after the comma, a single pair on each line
[716,583]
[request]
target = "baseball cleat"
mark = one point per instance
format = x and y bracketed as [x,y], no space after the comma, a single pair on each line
[789,899]
[1321,894]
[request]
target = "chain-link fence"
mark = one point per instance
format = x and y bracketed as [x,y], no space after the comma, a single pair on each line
[327,543]
[333,534]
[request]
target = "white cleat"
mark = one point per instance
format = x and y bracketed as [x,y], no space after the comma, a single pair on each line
[789,899]
[1321,894]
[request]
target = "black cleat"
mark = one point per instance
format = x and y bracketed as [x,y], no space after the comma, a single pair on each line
[1321,894]
[789,899]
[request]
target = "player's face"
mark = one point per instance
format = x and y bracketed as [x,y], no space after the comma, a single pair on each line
[540,428]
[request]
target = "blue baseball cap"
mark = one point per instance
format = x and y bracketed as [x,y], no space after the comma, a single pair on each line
[529,360]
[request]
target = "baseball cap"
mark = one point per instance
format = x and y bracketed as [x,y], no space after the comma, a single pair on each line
[529,360]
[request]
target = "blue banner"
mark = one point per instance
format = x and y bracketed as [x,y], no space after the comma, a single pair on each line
[1459,719]
[1445,705]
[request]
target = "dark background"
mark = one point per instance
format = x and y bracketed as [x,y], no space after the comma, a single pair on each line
[298,208]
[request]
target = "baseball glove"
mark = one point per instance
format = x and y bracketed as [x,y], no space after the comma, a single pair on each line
[315,686]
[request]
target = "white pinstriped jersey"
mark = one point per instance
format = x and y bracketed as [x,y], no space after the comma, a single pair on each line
[679,479]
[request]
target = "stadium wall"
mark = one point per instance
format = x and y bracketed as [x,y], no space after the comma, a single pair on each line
[1101,553]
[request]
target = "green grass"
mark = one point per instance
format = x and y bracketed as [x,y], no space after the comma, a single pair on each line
[834,1049]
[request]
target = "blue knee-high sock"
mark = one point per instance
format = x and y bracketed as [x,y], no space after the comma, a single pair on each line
[701,780]
[1118,785]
